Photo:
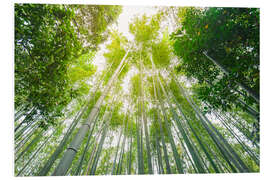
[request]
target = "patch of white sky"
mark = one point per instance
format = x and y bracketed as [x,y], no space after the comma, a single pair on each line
[122,26]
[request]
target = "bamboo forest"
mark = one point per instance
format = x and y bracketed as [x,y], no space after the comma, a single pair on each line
[171,90]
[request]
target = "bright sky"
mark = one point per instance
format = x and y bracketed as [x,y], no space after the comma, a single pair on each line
[123,26]
[129,12]
[127,15]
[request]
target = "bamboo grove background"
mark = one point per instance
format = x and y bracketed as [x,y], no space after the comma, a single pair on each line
[190,103]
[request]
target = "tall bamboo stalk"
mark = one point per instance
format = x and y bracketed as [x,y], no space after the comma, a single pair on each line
[71,151]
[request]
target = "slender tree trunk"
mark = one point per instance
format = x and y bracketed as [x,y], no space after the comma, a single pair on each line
[160,165]
[19,112]
[27,117]
[71,151]
[227,145]
[240,128]
[78,169]
[34,141]
[25,129]
[140,171]
[249,109]
[77,118]
[175,153]
[105,117]
[130,156]
[87,172]
[186,152]
[97,156]
[225,149]
[94,150]
[142,155]
[243,145]
[108,162]
[242,104]
[37,151]
[116,153]
[119,167]
[168,169]
[203,148]
[46,168]
[227,156]
[150,170]
[25,139]
[193,131]
[123,146]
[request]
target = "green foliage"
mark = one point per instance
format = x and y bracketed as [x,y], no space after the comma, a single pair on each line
[92,22]
[228,35]
[45,45]
[81,68]
[118,119]
[131,126]
[161,51]
[135,87]
[154,128]
[140,55]
[145,29]
[52,57]
[116,51]
[147,39]
[189,138]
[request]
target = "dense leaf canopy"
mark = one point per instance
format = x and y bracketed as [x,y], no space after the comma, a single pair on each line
[179,95]
[231,37]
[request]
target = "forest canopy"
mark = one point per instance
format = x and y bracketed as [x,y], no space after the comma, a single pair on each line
[178,95]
